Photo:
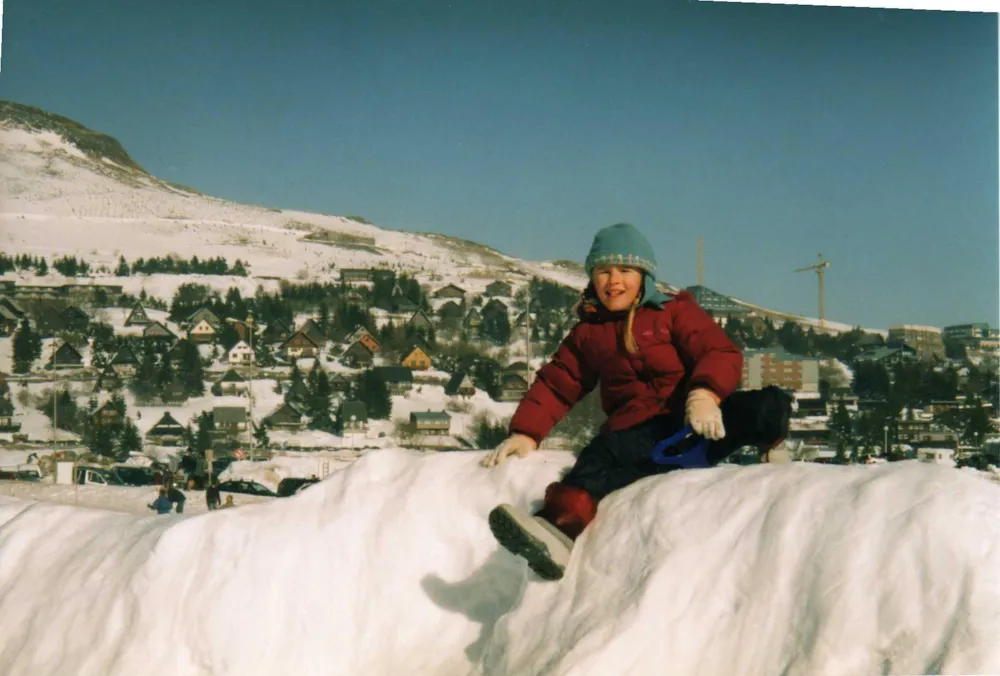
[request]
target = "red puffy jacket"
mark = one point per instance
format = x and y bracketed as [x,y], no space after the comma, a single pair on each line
[680,348]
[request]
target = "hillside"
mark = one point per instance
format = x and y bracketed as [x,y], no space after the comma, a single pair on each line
[67,190]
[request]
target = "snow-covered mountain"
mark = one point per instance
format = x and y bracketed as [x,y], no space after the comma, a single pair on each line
[67,190]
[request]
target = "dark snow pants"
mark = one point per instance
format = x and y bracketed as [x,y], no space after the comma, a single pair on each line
[613,460]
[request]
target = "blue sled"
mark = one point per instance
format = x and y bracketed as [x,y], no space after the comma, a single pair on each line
[689,457]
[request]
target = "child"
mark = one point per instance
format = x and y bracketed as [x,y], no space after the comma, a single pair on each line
[661,363]
[162,504]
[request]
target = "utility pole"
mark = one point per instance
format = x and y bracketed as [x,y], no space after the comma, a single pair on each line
[250,387]
[55,400]
[819,268]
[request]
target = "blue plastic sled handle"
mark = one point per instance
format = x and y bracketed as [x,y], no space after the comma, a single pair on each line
[696,457]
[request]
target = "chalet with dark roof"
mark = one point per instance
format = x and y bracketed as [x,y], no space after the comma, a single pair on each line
[311,328]
[451,291]
[75,319]
[138,316]
[108,380]
[353,417]
[420,320]
[357,355]
[157,331]
[398,379]
[174,392]
[460,385]
[231,382]
[108,414]
[498,288]
[416,357]
[276,331]
[512,387]
[203,331]
[203,314]
[125,362]
[299,345]
[437,423]
[286,417]
[494,306]
[451,311]
[166,432]
[8,321]
[67,356]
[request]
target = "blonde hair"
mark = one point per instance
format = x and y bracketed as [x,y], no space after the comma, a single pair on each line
[630,345]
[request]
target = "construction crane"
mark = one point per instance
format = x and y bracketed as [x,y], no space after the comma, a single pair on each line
[819,267]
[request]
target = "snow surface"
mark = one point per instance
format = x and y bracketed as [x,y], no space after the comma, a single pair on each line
[388,567]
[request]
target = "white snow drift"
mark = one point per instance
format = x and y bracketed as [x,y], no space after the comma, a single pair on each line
[388,567]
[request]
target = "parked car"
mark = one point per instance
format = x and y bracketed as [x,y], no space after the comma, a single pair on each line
[292,485]
[20,475]
[246,488]
[134,475]
[96,475]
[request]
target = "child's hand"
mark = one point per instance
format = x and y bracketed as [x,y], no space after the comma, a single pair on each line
[515,444]
[704,415]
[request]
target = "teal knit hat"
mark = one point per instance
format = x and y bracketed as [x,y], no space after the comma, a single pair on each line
[623,244]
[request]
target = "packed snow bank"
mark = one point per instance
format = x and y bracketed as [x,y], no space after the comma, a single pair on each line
[388,567]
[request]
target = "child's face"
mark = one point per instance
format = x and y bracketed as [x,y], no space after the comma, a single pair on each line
[617,286]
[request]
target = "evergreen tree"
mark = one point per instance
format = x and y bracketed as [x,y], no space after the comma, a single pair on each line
[164,373]
[871,380]
[103,441]
[495,328]
[261,438]
[27,347]
[190,369]
[128,439]
[42,268]
[122,270]
[143,386]
[118,401]
[373,391]
[203,437]
[841,426]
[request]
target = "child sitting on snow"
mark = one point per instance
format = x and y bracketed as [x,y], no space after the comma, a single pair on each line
[661,363]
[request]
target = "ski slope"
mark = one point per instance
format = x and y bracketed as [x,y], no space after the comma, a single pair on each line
[388,567]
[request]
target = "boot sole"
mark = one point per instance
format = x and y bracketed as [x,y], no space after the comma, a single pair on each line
[516,540]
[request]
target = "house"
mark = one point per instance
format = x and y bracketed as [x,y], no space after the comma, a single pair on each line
[108,414]
[357,355]
[108,380]
[166,432]
[353,417]
[356,275]
[174,392]
[202,332]
[889,356]
[276,331]
[398,379]
[67,356]
[242,329]
[157,331]
[49,321]
[8,321]
[437,423]
[416,358]
[299,345]
[125,362]
[138,316]
[451,291]
[355,297]
[230,419]
[13,307]
[717,305]
[296,392]
[7,423]
[494,305]
[420,320]
[312,329]
[241,354]
[451,311]
[75,319]
[286,417]
[519,368]
[402,304]
[204,315]
[339,382]
[460,385]
[498,288]
[231,382]
[512,387]
[367,339]
[473,320]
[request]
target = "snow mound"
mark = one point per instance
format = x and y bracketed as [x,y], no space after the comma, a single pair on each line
[388,567]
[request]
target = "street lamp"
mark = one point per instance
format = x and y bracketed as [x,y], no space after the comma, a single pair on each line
[885,446]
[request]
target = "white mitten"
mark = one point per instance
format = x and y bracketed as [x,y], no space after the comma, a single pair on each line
[516,444]
[702,412]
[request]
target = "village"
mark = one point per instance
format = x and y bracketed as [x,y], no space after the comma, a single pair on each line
[382,359]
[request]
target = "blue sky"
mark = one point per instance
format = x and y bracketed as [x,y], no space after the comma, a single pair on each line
[773,132]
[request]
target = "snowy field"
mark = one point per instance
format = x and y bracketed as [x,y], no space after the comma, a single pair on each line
[388,567]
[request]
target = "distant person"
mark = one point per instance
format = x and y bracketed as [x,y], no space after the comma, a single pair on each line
[177,496]
[229,503]
[212,496]
[662,363]
[162,504]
